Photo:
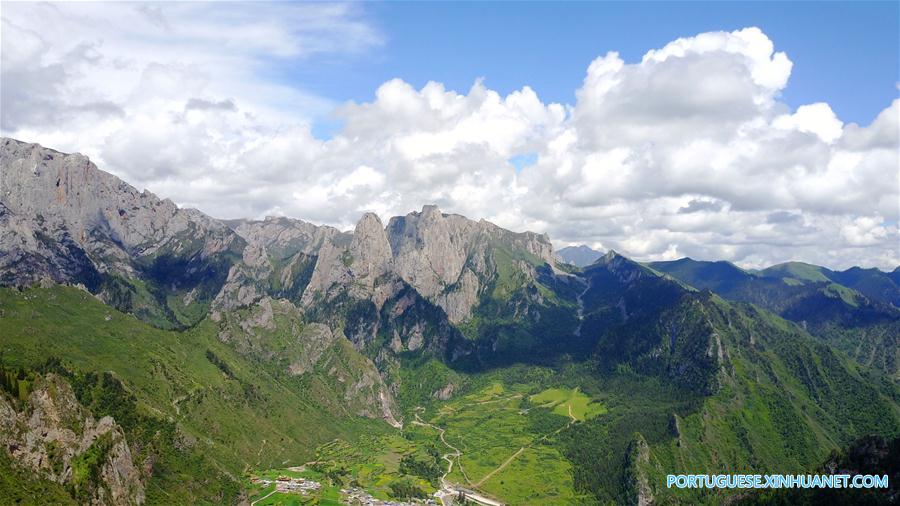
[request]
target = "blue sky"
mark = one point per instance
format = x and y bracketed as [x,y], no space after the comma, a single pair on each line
[844,53]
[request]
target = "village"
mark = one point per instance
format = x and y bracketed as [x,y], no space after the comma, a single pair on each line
[353,496]
[290,485]
[359,497]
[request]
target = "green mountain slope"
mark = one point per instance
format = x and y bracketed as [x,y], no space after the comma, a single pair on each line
[866,328]
[872,283]
[799,271]
[237,408]
[751,391]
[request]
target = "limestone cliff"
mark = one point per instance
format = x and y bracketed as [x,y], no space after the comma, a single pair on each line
[52,435]
[79,224]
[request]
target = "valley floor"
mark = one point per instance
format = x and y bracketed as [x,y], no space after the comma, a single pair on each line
[492,449]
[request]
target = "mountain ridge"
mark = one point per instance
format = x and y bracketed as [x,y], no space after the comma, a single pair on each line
[864,325]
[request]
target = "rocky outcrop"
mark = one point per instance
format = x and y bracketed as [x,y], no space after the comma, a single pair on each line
[57,439]
[316,339]
[285,237]
[636,484]
[458,301]
[444,393]
[278,260]
[431,248]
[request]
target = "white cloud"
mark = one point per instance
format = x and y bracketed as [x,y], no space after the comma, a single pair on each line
[768,69]
[689,151]
[816,118]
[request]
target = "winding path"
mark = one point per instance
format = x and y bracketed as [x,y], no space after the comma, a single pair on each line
[456,453]
[264,497]
[449,489]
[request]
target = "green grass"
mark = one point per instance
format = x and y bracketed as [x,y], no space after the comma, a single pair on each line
[797,270]
[492,421]
[846,294]
[569,402]
[503,449]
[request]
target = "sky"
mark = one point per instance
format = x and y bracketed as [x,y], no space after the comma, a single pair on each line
[753,132]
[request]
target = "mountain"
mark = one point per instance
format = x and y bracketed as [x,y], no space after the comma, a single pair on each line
[720,277]
[222,354]
[579,256]
[67,221]
[865,326]
[747,389]
[873,283]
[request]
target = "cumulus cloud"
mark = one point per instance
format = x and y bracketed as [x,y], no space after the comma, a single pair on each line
[689,151]
[817,119]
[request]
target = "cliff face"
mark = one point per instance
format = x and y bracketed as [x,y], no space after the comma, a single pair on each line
[31,252]
[357,269]
[105,216]
[72,222]
[448,258]
[278,260]
[52,435]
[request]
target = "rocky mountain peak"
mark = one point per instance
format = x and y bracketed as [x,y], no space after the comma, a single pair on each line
[99,210]
[610,256]
[430,248]
[622,268]
[369,225]
[579,256]
[370,249]
[68,189]
[431,211]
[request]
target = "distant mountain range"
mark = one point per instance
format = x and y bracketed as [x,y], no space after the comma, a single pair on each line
[579,256]
[854,310]
[161,354]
